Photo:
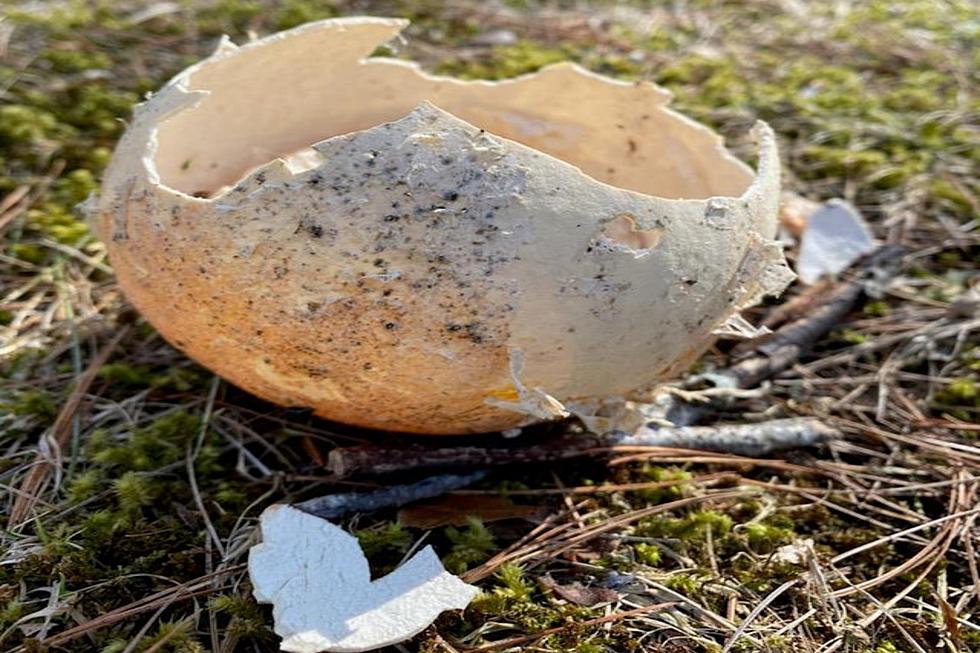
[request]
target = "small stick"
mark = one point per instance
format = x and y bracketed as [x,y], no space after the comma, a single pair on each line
[344,462]
[778,351]
[334,506]
[741,439]
[744,439]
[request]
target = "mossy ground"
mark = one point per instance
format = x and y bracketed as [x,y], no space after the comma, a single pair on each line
[167,468]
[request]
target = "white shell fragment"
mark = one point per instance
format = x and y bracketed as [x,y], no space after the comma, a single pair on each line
[415,253]
[798,553]
[323,598]
[835,236]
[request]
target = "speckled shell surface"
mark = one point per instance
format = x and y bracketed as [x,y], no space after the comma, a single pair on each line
[419,254]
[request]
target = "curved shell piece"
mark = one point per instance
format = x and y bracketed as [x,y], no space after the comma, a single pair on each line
[421,254]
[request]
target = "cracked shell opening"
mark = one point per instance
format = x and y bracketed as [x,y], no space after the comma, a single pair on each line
[275,97]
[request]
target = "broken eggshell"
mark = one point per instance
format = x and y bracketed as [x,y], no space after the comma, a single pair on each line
[318,580]
[422,254]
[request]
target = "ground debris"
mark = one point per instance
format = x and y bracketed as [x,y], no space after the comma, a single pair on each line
[578,593]
[457,510]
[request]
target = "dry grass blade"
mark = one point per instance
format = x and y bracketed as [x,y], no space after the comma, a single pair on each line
[200,587]
[552,543]
[56,439]
[9,206]
[530,639]
[756,611]
[704,479]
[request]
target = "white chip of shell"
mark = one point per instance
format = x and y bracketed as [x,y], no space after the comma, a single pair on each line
[835,236]
[319,583]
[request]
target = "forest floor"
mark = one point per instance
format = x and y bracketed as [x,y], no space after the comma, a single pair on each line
[133,536]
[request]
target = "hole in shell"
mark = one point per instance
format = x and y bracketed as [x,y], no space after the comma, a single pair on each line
[622,232]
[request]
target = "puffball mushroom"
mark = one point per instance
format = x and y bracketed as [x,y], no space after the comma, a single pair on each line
[421,254]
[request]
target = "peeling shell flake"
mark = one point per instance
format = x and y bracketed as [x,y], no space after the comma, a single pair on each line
[318,580]
[420,254]
[835,236]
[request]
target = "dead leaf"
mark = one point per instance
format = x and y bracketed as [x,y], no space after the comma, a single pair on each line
[949,618]
[454,509]
[579,594]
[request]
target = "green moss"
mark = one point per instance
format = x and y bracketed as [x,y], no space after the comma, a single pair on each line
[511,592]
[58,222]
[515,585]
[663,39]
[97,109]
[765,538]
[84,486]
[692,527]
[134,492]
[971,358]
[590,647]
[832,161]
[75,186]
[162,443]
[948,196]
[971,639]
[647,554]
[687,584]
[26,130]
[849,336]
[37,403]
[876,125]
[614,66]
[876,308]
[703,82]
[659,474]
[514,599]
[228,16]
[506,61]
[12,610]
[29,253]
[470,545]
[384,545]
[127,376]
[73,61]
[246,620]
[61,18]
[296,12]
[172,636]
[962,391]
